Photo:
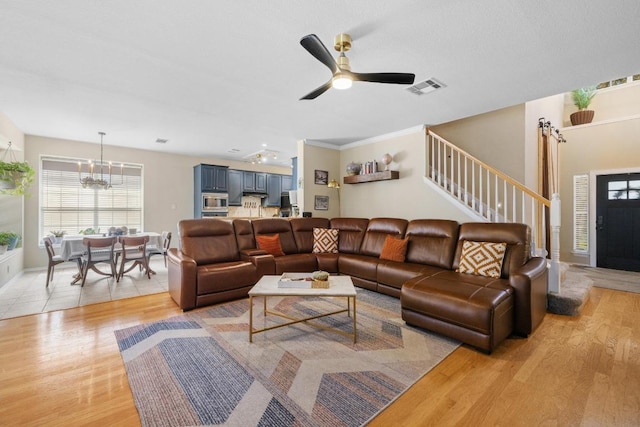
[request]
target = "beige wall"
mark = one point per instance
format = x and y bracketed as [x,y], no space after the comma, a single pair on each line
[497,138]
[601,149]
[168,184]
[609,104]
[325,159]
[408,197]
[552,110]
[11,207]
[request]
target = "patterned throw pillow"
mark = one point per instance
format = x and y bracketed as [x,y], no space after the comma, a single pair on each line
[394,249]
[482,258]
[325,240]
[271,244]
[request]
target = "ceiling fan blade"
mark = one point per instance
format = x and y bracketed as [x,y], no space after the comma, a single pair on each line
[394,78]
[319,91]
[316,48]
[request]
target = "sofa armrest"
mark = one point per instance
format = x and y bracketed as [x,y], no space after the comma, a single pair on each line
[530,283]
[264,262]
[182,272]
[252,252]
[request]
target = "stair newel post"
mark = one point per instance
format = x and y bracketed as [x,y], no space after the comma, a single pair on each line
[554,264]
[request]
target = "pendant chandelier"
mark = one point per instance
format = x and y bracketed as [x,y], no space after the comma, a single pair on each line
[99,182]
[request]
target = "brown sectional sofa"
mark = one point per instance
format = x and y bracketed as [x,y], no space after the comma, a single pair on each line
[218,261]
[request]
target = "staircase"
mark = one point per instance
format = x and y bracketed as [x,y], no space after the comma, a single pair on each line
[490,195]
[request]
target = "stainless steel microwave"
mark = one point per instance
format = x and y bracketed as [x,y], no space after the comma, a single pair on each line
[218,202]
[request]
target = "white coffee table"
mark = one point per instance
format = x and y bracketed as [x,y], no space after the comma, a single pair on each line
[267,286]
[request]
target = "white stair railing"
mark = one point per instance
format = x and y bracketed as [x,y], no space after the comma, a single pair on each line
[486,191]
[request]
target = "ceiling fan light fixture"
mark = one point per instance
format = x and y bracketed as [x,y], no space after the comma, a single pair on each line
[341,81]
[342,76]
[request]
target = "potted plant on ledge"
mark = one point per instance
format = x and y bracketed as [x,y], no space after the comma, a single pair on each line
[13,239]
[582,98]
[5,239]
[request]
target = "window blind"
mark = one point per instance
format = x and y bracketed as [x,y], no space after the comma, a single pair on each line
[66,206]
[581,213]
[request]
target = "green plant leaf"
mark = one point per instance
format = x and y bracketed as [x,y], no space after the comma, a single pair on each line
[582,97]
[19,175]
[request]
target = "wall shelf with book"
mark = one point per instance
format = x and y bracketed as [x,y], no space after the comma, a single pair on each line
[371,177]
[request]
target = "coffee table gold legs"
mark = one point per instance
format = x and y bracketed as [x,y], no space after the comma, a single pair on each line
[354,318]
[250,319]
[294,320]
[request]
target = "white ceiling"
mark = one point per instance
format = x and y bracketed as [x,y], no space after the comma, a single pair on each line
[210,76]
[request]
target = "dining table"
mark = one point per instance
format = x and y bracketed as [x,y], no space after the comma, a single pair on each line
[71,247]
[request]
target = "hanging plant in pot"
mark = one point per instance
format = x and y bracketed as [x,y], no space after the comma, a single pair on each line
[15,176]
[582,98]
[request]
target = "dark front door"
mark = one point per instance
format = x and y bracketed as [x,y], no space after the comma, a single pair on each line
[618,221]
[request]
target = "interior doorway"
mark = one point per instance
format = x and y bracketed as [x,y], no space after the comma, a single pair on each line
[617,221]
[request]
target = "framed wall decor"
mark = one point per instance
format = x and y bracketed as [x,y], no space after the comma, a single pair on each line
[321,177]
[321,203]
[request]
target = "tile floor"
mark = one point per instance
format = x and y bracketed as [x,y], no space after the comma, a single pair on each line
[27,294]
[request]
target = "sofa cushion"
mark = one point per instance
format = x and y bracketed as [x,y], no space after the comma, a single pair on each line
[244,234]
[361,266]
[482,258]
[377,230]
[516,236]
[224,276]
[271,244]
[394,274]
[280,226]
[302,228]
[351,233]
[328,262]
[432,242]
[394,249]
[325,240]
[208,241]
[460,299]
[301,263]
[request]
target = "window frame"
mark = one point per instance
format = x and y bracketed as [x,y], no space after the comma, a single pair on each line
[135,170]
[581,215]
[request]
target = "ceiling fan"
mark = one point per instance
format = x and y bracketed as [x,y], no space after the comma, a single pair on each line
[342,74]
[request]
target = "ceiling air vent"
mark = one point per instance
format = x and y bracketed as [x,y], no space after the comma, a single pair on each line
[426,86]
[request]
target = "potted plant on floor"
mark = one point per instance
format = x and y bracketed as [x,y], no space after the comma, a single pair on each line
[582,98]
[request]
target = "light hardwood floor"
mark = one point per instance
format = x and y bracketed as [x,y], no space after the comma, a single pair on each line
[64,368]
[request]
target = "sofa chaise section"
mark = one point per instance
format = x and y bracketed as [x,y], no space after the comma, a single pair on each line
[478,310]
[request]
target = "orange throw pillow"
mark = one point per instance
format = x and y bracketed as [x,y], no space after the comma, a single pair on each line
[271,244]
[394,249]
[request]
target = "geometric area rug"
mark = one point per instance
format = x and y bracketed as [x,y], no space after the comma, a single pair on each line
[200,369]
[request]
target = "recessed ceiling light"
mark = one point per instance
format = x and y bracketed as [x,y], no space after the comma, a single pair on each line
[264,144]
